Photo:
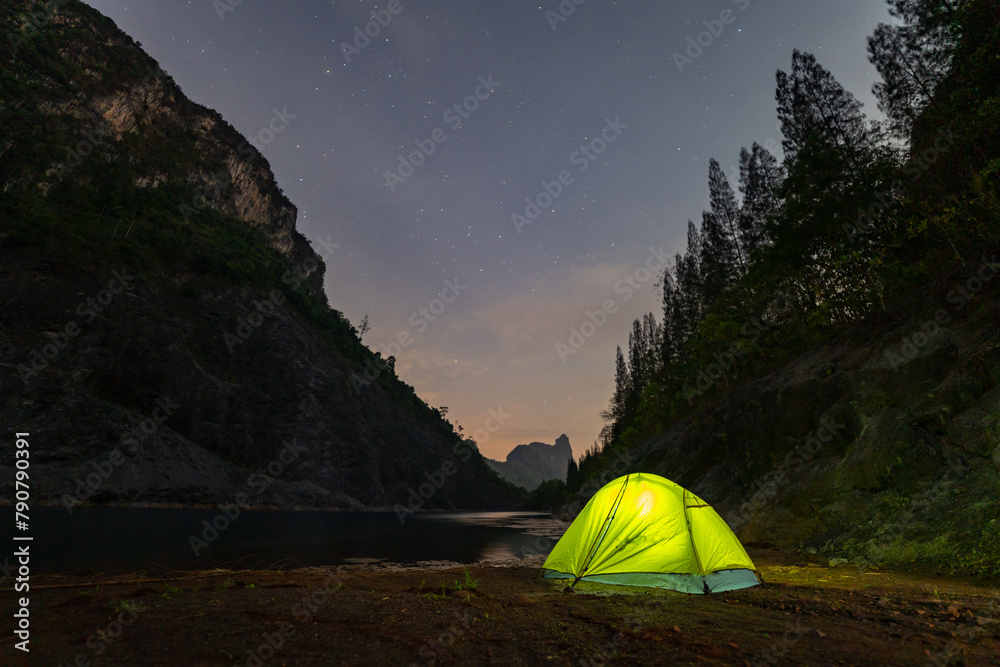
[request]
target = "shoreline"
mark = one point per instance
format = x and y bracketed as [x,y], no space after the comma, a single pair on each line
[270,508]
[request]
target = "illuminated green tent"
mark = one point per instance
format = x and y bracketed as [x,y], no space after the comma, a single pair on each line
[644,530]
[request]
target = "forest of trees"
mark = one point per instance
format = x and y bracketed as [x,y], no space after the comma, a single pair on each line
[858,220]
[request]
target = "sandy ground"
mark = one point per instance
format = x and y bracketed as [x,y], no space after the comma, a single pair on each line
[502,614]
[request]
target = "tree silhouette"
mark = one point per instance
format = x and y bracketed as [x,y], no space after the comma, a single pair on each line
[726,212]
[760,178]
[912,57]
[813,106]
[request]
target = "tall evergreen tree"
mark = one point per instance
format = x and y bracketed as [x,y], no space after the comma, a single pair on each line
[814,107]
[681,304]
[912,57]
[572,475]
[717,260]
[689,284]
[654,342]
[834,161]
[760,178]
[623,385]
[726,211]
[637,357]
[669,332]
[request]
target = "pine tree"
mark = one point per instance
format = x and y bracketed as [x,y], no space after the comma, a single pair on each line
[637,358]
[668,332]
[572,475]
[912,58]
[718,259]
[760,178]
[834,161]
[726,211]
[675,308]
[623,384]
[689,281]
[814,108]
[654,341]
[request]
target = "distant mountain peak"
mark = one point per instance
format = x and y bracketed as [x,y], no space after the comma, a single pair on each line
[531,464]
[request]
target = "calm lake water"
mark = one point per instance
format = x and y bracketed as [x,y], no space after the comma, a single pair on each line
[114,540]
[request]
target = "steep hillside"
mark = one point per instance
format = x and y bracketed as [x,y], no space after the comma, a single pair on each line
[882,451]
[164,335]
[825,371]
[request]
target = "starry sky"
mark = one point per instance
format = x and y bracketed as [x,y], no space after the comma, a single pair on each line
[408,153]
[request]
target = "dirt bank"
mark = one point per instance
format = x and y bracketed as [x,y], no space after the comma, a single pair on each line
[501,614]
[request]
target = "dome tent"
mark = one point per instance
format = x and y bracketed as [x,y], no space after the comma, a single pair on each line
[644,530]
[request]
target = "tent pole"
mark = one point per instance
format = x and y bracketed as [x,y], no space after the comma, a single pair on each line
[604,530]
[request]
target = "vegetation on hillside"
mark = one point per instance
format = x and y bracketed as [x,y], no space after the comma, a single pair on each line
[74,194]
[853,229]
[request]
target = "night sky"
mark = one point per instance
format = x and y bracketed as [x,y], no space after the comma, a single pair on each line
[517,288]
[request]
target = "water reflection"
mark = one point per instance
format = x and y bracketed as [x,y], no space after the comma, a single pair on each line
[497,551]
[113,539]
[481,518]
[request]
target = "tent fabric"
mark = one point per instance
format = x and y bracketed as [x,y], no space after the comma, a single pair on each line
[725,580]
[645,530]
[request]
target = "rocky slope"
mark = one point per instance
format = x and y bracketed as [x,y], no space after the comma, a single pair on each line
[116,103]
[164,336]
[529,465]
[883,451]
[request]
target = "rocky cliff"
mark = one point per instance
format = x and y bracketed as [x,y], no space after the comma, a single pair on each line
[529,465]
[108,101]
[883,451]
[164,335]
